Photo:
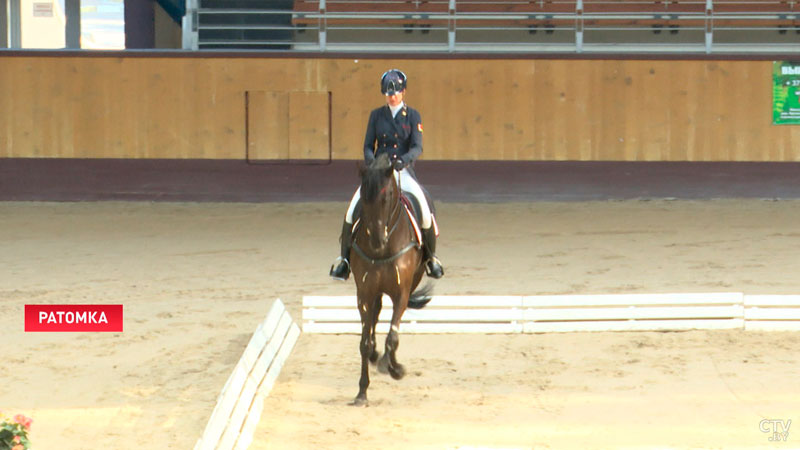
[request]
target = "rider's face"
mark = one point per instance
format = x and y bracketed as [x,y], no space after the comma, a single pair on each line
[396,99]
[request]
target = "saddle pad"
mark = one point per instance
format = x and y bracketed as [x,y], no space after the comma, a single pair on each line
[412,208]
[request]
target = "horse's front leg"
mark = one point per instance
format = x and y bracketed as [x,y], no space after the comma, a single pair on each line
[374,354]
[367,347]
[389,361]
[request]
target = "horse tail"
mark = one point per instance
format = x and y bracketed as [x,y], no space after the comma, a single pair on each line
[420,297]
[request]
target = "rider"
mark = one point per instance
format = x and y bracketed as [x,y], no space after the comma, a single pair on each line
[396,129]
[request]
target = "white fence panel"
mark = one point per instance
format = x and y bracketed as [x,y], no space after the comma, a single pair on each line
[417,315]
[444,314]
[632,325]
[628,312]
[634,313]
[772,312]
[444,301]
[239,405]
[556,313]
[711,298]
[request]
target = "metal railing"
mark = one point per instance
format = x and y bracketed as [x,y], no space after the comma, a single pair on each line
[701,26]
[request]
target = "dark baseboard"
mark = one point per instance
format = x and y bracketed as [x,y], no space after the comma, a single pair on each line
[29,179]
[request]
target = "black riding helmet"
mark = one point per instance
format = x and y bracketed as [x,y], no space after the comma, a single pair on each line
[393,81]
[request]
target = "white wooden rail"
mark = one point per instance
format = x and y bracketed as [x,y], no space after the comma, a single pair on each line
[239,405]
[562,313]
[772,312]
[627,312]
[450,314]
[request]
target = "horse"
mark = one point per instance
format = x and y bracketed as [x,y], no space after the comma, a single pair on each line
[386,258]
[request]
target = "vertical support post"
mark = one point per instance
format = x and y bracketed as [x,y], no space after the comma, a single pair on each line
[579,26]
[709,25]
[15,27]
[323,26]
[72,32]
[3,23]
[140,24]
[189,25]
[451,27]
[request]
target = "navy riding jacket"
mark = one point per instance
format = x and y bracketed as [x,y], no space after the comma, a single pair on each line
[400,137]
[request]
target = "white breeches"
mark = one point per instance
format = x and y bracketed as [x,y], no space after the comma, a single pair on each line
[408,184]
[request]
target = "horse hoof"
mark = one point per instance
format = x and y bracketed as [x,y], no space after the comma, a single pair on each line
[361,402]
[397,372]
[383,364]
[373,358]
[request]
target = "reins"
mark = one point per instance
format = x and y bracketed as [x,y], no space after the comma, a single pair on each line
[404,250]
[396,209]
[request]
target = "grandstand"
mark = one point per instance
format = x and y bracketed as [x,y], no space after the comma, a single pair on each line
[452,26]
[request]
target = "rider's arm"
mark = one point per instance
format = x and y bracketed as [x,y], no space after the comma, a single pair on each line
[369,138]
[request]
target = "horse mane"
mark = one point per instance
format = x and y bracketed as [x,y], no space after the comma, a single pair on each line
[373,177]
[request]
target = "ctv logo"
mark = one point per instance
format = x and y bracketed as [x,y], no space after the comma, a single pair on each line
[777,428]
[60,318]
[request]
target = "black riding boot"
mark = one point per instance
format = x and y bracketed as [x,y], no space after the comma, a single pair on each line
[342,270]
[433,267]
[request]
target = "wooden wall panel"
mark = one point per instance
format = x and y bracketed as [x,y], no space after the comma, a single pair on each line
[309,125]
[288,125]
[267,125]
[472,109]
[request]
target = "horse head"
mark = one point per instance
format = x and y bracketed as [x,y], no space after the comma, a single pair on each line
[379,198]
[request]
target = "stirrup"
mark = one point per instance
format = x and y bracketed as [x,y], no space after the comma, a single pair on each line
[340,271]
[433,268]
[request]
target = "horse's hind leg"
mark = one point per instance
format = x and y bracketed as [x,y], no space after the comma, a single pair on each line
[389,361]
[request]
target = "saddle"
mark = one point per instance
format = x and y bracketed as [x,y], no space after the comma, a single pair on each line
[411,205]
[411,208]
[414,207]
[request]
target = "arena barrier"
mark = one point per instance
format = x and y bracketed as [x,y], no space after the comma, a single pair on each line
[565,313]
[238,410]
[772,312]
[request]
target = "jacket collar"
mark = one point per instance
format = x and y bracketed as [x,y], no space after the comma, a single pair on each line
[396,121]
[402,113]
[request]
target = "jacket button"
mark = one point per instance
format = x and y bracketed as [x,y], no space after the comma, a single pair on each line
[395,145]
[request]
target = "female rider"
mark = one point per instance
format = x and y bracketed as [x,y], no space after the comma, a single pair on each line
[396,129]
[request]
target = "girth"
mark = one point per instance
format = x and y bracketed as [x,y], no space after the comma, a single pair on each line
[402,252]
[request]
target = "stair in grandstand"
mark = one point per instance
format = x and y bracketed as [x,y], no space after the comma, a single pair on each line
[245,24]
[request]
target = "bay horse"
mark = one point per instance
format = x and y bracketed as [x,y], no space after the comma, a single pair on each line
[386,258]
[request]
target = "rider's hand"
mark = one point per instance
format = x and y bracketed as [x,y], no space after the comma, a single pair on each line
[398,164]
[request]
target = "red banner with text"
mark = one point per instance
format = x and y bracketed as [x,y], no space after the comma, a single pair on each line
[59,318]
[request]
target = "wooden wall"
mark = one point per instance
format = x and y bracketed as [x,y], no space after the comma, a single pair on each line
[472,109]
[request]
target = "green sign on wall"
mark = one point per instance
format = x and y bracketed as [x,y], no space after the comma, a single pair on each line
[785,92]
